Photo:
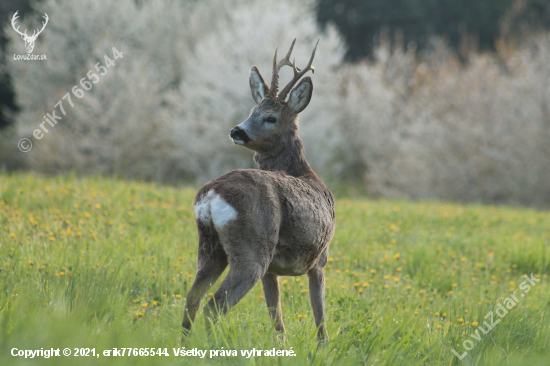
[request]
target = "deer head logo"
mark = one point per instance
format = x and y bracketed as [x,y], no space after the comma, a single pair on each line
[29,40]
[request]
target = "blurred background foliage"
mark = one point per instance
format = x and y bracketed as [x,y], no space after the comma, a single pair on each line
[423,99]
[7,97]
[362,22]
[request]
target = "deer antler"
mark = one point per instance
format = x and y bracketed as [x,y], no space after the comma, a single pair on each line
[276,67]
[298,73]
[15,16]
[43,26]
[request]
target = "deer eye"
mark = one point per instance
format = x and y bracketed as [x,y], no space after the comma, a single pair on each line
[270,120]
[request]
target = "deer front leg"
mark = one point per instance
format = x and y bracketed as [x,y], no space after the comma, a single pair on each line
[317,298]
[272,295]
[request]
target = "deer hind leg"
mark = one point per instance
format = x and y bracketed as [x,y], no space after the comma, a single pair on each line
[272,295]
[211,263]
[242,276]
[317,298]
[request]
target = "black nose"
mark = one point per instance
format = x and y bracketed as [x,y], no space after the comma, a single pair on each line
[238,133]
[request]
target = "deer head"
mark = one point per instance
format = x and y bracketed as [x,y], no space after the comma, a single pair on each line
[269,125]
[29,40]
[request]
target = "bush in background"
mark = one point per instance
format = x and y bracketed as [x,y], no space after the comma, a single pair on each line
[165,110]
[405,125]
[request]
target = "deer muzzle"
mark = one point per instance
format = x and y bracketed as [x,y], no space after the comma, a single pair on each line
[239,136]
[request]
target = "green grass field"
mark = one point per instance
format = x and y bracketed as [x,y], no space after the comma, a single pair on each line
[100,263]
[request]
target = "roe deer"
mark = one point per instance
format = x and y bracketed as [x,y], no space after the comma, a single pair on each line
[277,220]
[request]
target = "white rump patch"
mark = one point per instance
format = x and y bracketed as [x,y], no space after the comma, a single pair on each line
[213,207]
[202,209]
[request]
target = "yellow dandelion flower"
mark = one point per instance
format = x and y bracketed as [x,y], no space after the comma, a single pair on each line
[397,256]
[373,271]
[474,324]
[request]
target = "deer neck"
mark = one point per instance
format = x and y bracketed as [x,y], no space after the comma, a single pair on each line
[288,158]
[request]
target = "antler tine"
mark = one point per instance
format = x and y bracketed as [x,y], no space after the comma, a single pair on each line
[276,67]
[43,24]
[298,73]
[13,19]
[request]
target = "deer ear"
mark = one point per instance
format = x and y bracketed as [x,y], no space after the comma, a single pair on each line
[301,95]
[258,86]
